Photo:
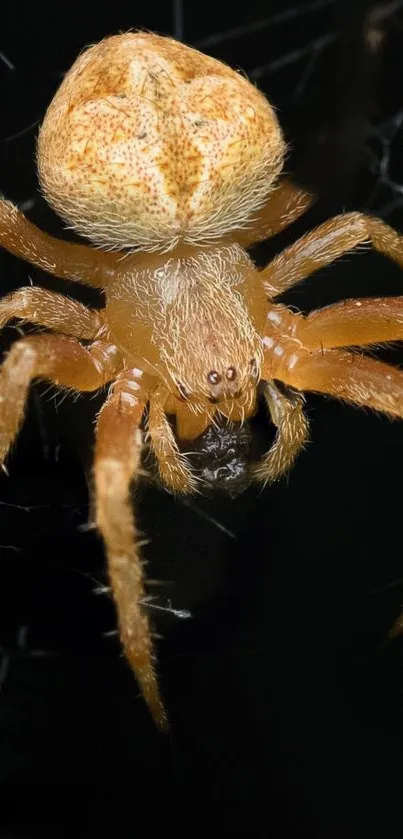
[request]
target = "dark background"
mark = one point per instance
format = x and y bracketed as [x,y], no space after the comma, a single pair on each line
[286,696]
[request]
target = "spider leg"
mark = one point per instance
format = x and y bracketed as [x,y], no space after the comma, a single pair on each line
[117,459]
[61,359]
[361,322]
[283,206]
[292,433]
[344,375]
[51,310]
[327,243]
[63,259]
[173,466]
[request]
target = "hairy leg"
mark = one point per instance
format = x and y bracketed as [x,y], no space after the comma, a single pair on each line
[350,323]
[344,375]
[63,259]
[51,310]
[372,320]
[173,466]
[62,360]
[327,243]
[287,203]
[292,433]
[117,460]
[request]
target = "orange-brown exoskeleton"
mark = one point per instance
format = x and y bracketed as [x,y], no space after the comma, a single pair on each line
[170,163]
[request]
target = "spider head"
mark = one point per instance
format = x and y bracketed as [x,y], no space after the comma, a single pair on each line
[217,371]
[148,143]
[219,387]
[210,349]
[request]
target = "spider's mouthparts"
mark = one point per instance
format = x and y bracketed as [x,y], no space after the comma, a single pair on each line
[224,455]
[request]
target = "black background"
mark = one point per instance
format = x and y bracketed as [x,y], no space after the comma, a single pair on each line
[285,695]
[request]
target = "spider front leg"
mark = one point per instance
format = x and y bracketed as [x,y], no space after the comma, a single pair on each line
[343,375]
[324,245]
[288,416]
[117,462]
[60,359]
[300,351]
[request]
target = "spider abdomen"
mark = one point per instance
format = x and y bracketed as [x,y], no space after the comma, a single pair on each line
[149,143]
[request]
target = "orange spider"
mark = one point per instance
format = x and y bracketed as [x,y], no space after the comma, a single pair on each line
[169,162]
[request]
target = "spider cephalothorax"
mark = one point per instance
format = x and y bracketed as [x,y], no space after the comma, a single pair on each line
[170,161]
[189,303]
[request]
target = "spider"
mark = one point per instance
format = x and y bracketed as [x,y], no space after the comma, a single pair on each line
[170,163]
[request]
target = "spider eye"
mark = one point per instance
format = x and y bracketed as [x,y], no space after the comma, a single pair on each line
[231,374]
[254,368]
[214,377]
[183,391]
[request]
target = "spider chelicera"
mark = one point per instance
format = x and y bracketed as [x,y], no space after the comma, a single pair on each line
[169,162]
